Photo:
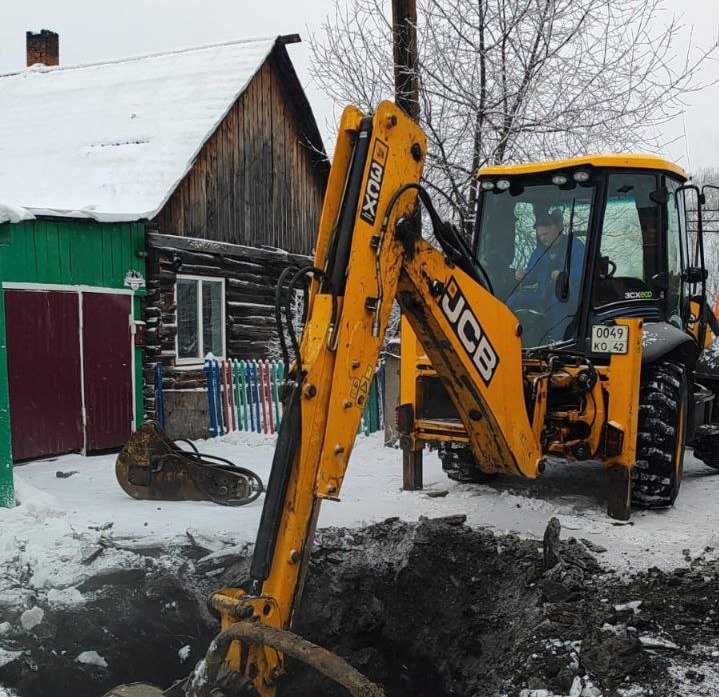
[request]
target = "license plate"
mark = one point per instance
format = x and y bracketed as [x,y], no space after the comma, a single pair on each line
[610,339]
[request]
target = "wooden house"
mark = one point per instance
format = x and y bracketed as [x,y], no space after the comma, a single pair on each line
[147,207]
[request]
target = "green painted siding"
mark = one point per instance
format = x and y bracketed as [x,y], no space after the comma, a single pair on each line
[7,493]
[73,252]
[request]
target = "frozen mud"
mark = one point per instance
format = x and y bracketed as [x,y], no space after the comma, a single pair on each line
[430,608]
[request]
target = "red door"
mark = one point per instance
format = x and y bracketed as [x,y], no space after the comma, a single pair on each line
[43,353]
[107,358]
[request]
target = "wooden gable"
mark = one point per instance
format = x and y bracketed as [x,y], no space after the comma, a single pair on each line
[260,178]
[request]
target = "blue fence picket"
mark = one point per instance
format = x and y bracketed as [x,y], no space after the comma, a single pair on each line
[239,394]
[221,430]
[211,402]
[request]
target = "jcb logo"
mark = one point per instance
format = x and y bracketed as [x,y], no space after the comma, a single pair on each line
[374,182]
[469,331]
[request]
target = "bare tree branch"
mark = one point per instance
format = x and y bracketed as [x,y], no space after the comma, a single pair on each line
[517,80]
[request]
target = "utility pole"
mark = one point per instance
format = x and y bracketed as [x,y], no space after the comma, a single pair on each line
[406,94]
[404,40]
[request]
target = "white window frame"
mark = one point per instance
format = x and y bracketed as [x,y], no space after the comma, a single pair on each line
[201,359]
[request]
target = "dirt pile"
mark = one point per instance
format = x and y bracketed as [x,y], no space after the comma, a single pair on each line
[429,608]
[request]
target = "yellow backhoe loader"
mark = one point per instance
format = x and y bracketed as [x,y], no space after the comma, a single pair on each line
[607,374]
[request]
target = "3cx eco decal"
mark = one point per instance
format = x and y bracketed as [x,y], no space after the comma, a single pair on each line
[639,295]
[469,331]
[374,182]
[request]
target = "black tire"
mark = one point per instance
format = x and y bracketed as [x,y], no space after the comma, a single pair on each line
[459,464]
[663,406]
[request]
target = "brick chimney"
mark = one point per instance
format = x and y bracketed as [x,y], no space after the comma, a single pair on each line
[43,47]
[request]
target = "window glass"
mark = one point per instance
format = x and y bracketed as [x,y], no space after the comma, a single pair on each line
[528,235]
[212,317]
[630,253]
[188,339]
[200,318]
[674,259]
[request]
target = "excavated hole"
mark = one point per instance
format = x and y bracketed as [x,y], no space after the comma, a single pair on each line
[433,608]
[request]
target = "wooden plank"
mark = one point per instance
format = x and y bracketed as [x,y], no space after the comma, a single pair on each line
[64,255]
[289,179]
[210,186]
[267,182]
[252,141]
[276,144]
[226,174]
[184,217]
[201,227]
[237,180]
[247,167]
[296,193]
[108,269]
[43,262]
[172,242]
[56,273]
[28,258]
[128,251]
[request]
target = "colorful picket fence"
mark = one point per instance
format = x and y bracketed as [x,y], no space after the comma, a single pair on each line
[244,396]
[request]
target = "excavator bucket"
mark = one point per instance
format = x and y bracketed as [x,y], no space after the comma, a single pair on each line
[151,466]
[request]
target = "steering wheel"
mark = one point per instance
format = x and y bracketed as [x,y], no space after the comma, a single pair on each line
[532,322]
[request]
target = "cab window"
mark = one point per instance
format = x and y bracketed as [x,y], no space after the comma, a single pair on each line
[676,253]
[630,250]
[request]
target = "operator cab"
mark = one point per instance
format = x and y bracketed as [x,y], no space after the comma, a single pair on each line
[573,244]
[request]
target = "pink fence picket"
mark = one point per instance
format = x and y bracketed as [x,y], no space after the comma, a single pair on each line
[225,405]
[230,396]
[268,395]
[263,402]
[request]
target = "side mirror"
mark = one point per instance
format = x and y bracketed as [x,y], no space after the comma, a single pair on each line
[660,196]
[694,274]
[561,287]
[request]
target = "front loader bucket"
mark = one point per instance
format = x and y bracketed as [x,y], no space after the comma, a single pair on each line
[151,466]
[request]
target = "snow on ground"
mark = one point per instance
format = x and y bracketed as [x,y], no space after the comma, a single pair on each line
[63,525]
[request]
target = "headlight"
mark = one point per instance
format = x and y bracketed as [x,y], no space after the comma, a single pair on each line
[486,184]
[559,179]
[581,176]
[503,184]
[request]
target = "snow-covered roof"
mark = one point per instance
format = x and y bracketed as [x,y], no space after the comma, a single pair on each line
[112,140]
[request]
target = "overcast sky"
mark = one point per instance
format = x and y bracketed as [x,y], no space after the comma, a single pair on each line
[95,29]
